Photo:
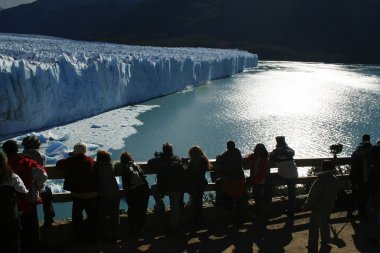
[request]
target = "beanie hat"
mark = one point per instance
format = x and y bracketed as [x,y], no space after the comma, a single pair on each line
[31,142]
[80,148]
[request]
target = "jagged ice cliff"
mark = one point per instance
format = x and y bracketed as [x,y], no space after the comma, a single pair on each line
[46,81]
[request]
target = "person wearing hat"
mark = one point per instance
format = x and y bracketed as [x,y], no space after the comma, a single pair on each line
[283,155]
[80,180]
[31,146]
[321,202]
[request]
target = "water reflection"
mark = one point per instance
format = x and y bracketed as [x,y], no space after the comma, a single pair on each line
[314,105]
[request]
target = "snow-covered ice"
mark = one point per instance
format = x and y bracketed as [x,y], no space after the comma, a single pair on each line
[46,81]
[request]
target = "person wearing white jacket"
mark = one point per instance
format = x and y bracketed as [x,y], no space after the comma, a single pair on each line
[283,155]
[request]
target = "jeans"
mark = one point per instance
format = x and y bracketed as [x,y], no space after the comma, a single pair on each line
[47,204]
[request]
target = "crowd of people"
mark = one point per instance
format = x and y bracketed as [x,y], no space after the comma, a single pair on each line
[94,189]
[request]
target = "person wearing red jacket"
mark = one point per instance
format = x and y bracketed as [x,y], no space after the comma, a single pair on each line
[259,169]
[80,180]
[33,176]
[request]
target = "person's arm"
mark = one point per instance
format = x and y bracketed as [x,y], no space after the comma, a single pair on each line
[39,175]
[18,185]
[314,195]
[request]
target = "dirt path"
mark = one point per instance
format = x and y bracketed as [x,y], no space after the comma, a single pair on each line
[217,234]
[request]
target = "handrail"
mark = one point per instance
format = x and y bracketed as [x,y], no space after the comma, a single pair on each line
[55,173]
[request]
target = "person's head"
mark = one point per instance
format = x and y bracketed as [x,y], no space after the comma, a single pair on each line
[126,157]
[80,148]
[327,165]
[230,145]
[10,147]
[366,137]
[366,146]
[103,155]
[31,142]
[260,150]
[167,149]
[196,153]
[4,168]
[280,140]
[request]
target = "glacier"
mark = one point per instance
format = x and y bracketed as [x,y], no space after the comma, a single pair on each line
[48,81]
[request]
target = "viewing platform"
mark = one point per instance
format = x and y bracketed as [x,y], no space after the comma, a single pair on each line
[216,232]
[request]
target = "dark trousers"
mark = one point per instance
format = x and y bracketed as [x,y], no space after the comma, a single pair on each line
[91,208]
[137,201]
[10,236]
[47,204]
[109,215]
[258,196]
[236,207]
[30,232]
[292,200]
[198,203]
[319,223]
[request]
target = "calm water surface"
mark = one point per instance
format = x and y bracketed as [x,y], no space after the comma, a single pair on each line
[313,105]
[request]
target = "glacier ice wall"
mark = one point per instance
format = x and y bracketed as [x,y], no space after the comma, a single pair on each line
[46,81]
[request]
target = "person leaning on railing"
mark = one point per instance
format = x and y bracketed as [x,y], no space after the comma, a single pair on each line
[80,180]
[283,155]
[229,167]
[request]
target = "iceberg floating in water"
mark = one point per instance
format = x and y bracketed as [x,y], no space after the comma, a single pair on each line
[47,81]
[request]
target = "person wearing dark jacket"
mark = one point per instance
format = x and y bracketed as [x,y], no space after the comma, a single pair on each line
[196,173]
[321,202]
[375,188]
[136,190]
[170,180]
[360,177]
[108,191]
[34,177]
[229,167]
[283,155]
[11,188]
[80,180]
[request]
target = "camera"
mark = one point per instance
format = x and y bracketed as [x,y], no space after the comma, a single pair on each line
[157,154]
[336,148]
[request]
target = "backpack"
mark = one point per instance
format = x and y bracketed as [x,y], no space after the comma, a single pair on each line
[132,176]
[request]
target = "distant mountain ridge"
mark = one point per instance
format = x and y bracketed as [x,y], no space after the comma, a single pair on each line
[324,30]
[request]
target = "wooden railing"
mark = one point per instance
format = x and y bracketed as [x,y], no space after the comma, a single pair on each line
[55,173]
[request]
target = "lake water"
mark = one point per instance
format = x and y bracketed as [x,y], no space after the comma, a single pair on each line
[313,104]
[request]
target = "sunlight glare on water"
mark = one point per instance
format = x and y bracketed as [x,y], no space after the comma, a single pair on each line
[314,105]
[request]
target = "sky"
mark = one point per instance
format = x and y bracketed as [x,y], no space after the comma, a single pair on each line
[10,3]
